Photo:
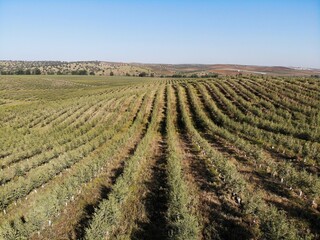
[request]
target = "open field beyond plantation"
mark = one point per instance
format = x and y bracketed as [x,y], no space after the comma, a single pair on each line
[122,157]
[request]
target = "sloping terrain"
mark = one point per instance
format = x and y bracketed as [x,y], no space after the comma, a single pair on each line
[89,157]
[102,68]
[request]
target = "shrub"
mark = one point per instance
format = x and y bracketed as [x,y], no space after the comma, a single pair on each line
[143,74]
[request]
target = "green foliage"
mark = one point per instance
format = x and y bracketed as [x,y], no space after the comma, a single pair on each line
[80,72]
[235,182]
[57,134]
[111,216]
[194,75]
[37,71]
[143,74]
[183,223]
[275,226]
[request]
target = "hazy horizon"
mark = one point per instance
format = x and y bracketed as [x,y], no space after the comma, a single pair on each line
[156,63]
[262,33]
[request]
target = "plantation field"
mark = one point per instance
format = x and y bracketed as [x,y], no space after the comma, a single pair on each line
[95,157]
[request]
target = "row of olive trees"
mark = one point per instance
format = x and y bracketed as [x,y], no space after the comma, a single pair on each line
[45,207]
[284,143]
[183,222]
[35,147]
[284,172]
[116,216]
[283,127]
[277,98]
[86,133]
[273,223]
[48,169]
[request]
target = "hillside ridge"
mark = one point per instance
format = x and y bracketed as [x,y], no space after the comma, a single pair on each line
[104,68]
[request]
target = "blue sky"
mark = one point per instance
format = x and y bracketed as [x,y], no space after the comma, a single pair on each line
[279,32]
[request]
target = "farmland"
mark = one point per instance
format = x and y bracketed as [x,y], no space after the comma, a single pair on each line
[96,157]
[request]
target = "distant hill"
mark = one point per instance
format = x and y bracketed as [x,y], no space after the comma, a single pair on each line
[134,69]
[229,69]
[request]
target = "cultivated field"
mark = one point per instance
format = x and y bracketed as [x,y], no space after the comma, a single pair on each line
[88,157]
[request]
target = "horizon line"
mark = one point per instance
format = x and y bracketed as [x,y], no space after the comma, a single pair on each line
[159,63]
